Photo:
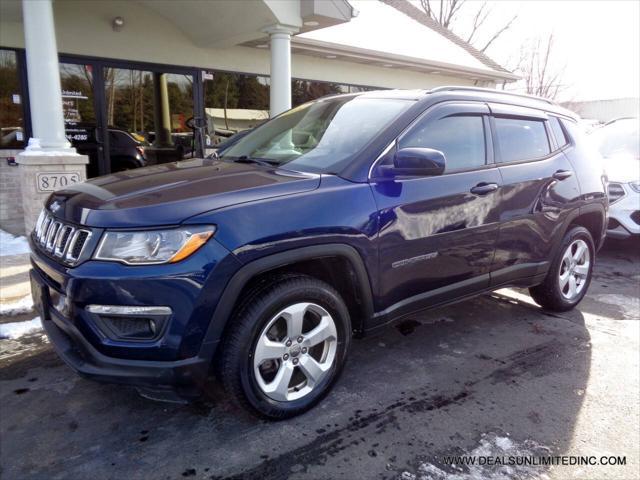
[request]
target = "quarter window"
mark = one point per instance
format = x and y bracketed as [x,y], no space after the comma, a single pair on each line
[558,132]
[521,139]
[460,138]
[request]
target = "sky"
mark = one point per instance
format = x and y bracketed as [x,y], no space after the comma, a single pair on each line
[597,42]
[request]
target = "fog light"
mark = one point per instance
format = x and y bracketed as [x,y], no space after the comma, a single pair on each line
[135,323]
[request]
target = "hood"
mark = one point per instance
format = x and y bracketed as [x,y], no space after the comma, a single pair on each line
[170,193]
[622,169]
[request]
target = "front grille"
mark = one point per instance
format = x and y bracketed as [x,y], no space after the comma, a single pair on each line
[59,239]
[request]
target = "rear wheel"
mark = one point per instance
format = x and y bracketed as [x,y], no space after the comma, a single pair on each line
[570,274]
[286,347]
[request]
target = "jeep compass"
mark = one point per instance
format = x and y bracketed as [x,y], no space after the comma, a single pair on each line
[332,219]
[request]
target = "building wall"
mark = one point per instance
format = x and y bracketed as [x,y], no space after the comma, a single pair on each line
[150,37]
[606,110]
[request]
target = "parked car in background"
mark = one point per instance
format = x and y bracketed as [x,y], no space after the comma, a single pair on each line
[126,152]
[619,143]
[329,220]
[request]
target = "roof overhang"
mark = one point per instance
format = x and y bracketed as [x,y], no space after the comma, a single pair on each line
[334,51]
[225,23]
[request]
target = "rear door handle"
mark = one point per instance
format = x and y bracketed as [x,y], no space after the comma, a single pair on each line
[484,188]
[562,174]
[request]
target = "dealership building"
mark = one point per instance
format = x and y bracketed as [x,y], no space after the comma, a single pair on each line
[91,87]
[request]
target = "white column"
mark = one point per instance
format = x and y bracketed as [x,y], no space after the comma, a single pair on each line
[45,97]
[280,91]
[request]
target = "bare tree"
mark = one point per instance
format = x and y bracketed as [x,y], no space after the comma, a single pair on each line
[540,75]
[446,13]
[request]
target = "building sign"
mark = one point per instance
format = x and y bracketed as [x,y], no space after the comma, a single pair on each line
[52,181]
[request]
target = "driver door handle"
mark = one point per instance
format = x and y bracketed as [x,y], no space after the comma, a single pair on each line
[484,188]
[562,174]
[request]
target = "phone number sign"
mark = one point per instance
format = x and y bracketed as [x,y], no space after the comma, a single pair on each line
[50,182]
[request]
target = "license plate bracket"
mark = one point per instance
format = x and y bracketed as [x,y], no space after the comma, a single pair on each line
[40,295]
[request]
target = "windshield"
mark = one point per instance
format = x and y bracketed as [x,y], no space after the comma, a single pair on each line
[620,139]
[318,136]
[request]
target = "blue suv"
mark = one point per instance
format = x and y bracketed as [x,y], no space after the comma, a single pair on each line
[326,222]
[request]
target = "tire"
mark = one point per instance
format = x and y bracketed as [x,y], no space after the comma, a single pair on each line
[260,330]
[556,292]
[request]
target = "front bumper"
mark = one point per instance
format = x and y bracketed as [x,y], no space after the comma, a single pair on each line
[624,215]
[185,377]
[178,360]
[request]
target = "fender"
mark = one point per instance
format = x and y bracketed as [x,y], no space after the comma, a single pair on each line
[231,293]
[577,212]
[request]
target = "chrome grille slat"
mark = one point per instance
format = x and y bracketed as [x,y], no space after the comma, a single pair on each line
[51,236]
[63,240]
[60,239]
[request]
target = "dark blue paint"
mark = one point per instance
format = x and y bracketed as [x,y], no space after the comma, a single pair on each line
[470,239]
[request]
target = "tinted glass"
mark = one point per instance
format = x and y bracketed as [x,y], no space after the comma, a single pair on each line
[561,138]
[11,111]
[233,103]
[521,139]
[460,138]
[318,136]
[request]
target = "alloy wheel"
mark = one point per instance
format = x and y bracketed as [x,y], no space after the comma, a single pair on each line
[574,269]
[295,351]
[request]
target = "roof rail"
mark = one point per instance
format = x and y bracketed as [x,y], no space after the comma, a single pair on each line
[490,90]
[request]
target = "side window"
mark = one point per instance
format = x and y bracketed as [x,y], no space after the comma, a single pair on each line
[520,139]
[460,138]
[558,132]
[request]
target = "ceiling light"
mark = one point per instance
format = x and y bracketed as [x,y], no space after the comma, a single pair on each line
[117,23]
[312,23]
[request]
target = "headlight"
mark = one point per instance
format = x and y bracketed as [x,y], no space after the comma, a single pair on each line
[152,246]
[635,186]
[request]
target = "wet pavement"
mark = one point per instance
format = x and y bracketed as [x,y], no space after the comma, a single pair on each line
[494,375]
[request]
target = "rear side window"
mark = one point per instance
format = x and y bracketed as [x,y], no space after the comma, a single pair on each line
[558,132]
[460,138]
[520,139]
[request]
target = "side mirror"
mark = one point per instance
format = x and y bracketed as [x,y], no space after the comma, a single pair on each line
[415,161]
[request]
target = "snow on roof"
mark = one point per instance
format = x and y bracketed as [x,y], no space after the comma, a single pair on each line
[383,28]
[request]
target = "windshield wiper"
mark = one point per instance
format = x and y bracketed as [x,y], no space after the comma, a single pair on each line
[259,161]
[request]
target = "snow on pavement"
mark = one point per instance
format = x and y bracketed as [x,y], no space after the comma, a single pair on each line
[493,446]
[16,330]
[10,245]
[24,305]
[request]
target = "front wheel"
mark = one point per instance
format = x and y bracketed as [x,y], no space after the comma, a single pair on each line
[570,273]
[286,346]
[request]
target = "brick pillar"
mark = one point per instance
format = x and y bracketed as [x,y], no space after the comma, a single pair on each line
[42,174]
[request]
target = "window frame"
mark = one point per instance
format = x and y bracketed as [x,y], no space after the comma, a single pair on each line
[496,143]
[21,67]
[568,138]
[458,108]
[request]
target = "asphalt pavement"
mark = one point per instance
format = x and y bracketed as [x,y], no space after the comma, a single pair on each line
[495,376]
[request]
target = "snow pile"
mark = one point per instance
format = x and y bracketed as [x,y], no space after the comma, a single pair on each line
[493,446]
[24,305]
[10,245]
[16,330]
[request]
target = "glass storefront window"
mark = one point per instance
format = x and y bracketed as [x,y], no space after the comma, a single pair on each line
[234,102]
[303,91]
[152,108]
[12,127]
